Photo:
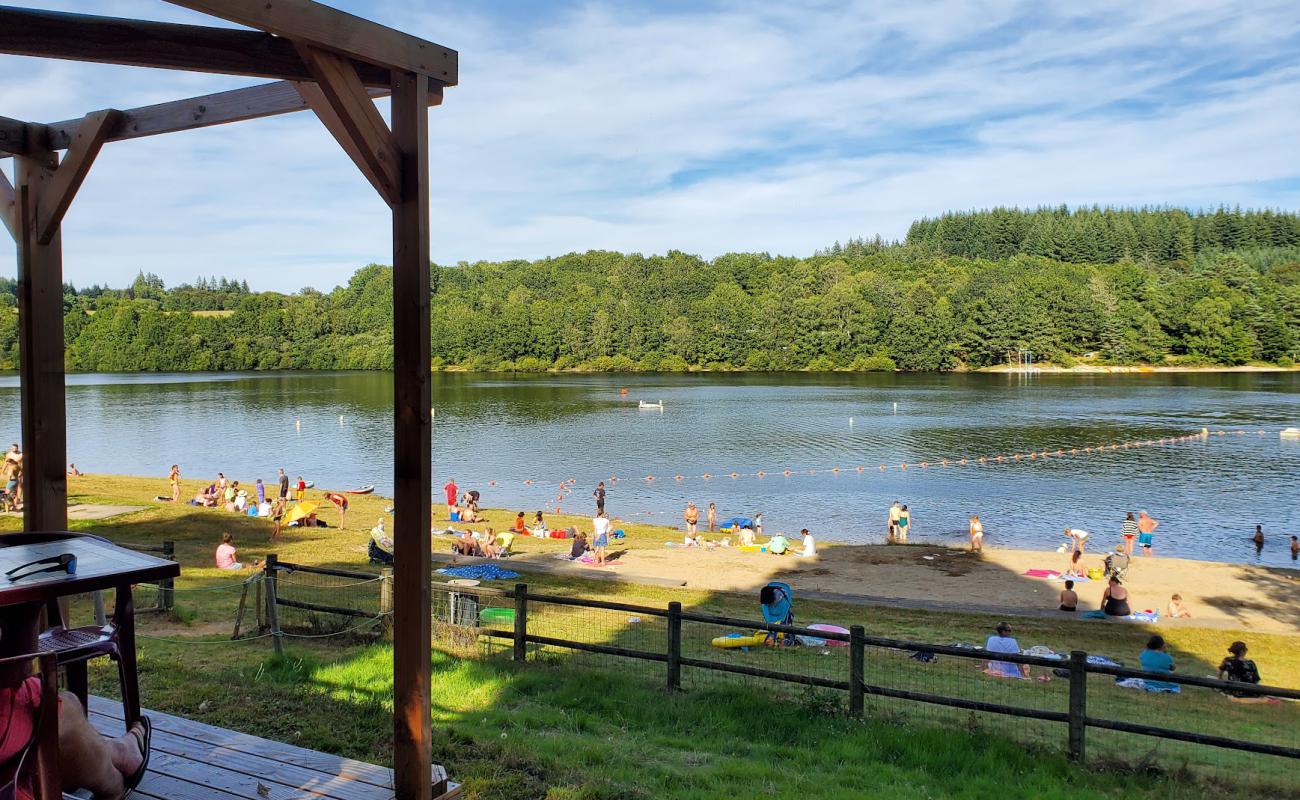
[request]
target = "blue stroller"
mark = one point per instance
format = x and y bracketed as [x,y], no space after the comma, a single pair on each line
[777,602]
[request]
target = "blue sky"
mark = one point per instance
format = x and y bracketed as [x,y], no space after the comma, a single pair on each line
[712,127]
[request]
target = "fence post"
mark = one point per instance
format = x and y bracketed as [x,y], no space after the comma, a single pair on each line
[674,645]
[101,615]
[857,663]
[386,599]
[166,597]
[1078,704]
[521,622]
[272,613]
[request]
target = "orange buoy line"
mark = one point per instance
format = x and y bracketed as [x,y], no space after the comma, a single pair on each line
[566,485]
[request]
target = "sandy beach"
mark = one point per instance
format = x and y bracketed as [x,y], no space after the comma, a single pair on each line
[1218,595]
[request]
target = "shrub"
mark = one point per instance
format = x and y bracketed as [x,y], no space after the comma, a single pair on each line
[821,364]
[674,364]
[531,364]
[878,362]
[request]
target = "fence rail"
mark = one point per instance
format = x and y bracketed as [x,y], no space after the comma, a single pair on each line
[527,605]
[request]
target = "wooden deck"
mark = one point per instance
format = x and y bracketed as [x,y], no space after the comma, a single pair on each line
[194,761]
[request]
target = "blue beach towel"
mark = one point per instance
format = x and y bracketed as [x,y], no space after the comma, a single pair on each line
[481,572]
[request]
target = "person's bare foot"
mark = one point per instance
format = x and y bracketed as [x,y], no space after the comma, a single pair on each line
[128,750]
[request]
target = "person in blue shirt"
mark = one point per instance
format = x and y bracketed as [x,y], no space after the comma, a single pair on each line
[1156,659]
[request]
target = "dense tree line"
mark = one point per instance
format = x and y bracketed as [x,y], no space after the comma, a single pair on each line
[867,305]
[1104,235]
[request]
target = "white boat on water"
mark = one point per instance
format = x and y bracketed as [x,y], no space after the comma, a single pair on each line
[1290,433]
[659,404]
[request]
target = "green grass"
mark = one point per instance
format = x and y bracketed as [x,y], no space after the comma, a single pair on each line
[593,727]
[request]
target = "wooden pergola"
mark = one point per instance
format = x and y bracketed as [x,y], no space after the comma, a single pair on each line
[319,58]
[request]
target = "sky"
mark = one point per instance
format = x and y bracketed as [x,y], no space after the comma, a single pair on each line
[702,127]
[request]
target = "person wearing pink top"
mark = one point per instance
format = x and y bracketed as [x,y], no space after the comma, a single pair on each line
[226,553]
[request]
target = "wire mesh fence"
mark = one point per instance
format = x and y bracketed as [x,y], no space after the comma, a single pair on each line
[1044,700]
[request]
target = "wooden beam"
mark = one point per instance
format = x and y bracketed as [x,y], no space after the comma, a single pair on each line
[13,136]
[82,151]
[322,26]
[164,45]
[8,206]
[40,354]
[412,444]
[236,105]
[353,119]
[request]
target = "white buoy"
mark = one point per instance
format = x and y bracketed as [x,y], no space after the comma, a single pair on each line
[297,423]
[340,420]
[850,422]
[895,408]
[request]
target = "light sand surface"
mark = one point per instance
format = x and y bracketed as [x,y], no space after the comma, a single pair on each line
[1218,595]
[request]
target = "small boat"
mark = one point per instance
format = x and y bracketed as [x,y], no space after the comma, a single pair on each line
[1290,433]
[362,490]
[309,484]
[647,404]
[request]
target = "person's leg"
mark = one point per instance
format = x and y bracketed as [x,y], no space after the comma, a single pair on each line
[89,760]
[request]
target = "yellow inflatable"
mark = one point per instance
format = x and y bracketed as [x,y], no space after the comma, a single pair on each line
[732,641]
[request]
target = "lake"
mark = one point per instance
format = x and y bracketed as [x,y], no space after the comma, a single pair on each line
[335,429]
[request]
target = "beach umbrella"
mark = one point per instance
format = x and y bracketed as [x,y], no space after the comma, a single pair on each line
[299,511]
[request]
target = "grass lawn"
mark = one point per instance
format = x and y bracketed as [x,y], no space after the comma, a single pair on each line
[596,727]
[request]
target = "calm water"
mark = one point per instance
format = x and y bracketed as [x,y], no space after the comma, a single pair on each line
[508,429]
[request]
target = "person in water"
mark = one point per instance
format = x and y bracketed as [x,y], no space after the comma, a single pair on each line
[1258,539]
[1295,548]
[976,534]
[1114,601]
[1146,533]
[1129,530]
[904,524]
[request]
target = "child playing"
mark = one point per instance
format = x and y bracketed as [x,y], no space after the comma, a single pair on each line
[1176,608]
[1069,597]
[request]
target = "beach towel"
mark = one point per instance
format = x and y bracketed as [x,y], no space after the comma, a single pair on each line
[1139,683]
[482,572]
[1136,616]
[1042,573]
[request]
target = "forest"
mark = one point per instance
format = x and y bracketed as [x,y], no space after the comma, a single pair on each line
[1116,286]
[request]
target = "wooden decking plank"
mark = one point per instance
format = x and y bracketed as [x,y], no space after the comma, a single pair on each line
[252,745]
[168,788]
[268,771]
[254,787]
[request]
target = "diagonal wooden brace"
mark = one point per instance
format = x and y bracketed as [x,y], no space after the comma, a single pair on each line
[8,206]
[348,112]
[68,178]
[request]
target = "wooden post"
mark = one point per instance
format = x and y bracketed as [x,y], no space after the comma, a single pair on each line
[674,645]
[1078,704]
[412,444]
[857,664]
[167,597]
[521,622]
[40,351]
[386,599]
[272,613]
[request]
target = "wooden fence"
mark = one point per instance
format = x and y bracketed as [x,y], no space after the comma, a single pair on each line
[1076,718]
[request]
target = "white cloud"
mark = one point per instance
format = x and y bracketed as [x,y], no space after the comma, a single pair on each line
[732,127]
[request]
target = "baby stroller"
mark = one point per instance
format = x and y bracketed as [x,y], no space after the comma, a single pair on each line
[777,603]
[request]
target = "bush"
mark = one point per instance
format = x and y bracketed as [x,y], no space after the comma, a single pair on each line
[650,362]
[873,363]
[479,363]
[1064,360]
[674,364]
[1286,361]
[821,364]
[531,364]
[719,366]
[565,362]
[758,360]
[619,363]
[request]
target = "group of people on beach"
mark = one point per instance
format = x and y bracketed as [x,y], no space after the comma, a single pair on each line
[1154,658]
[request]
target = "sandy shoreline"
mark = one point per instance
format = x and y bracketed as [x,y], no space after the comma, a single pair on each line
[1219,595]
[1107,369]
